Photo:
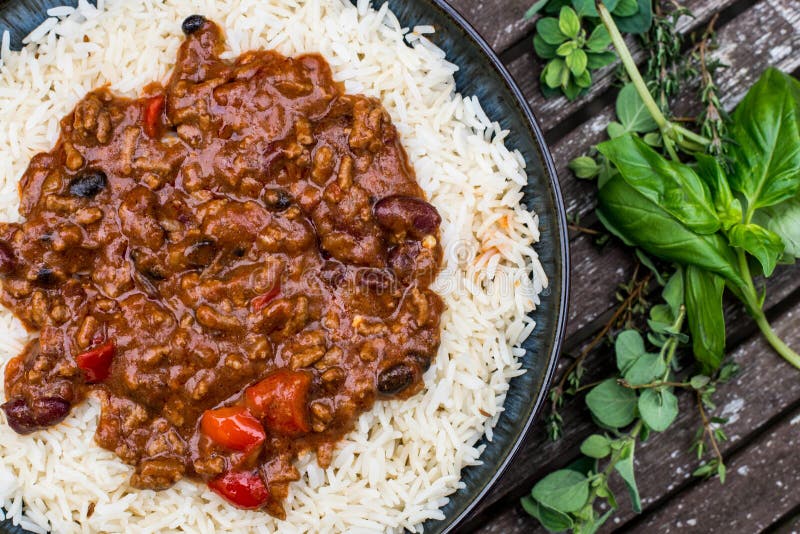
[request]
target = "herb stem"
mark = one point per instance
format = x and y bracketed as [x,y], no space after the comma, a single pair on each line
[757,312]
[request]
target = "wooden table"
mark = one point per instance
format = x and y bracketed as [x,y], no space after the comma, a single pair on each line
[762,403]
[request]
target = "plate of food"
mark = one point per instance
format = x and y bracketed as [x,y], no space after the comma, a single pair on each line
[294,266]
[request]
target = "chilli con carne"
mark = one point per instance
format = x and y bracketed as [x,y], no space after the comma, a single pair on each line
[237,265]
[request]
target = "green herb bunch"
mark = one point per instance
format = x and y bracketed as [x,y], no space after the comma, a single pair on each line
[575,43]
[720,207]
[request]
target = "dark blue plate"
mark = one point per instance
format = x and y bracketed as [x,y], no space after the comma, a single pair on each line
[481,74]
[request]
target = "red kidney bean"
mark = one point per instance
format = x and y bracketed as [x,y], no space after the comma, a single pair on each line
[45,412]
[407,214]
[395,379]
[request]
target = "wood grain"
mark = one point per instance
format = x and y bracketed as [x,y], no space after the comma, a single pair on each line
[663,464]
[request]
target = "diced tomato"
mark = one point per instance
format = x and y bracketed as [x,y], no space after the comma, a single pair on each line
[260,302]
[281,401]
[96,364]
[152,115]
[244,489]
[233,427]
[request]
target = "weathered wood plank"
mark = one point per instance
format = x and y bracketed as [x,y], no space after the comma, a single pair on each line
[766,34]
[526,68]
[761,488]
[765,388]
[500,22]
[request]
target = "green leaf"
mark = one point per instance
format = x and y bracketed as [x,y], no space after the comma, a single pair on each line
[553,71]
[673,293]
[599,40]
[584,167]
[611,404]
[625,469]
[766,128]
[647,368]
[584,80]
[632,112]
[554,6]
[638,23]
[615,130]
[552,520]
[645,260]
[585,8]
[673,186]
[639,222]
[705,317]
[596,446]
[570,88]
[728,208]
[565,49]
[658,408]
[535,8]
[784,221]
[628,346]
[568,22]
[576,61]
[543,49]
[764,245]
[626,8]
[598,60]
[594,527]
[564,490]
[550,32]
[699,381]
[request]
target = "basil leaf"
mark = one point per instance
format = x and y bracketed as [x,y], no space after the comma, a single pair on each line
[564,490]
[552,73]
[552,520]
[628,347]
[672,185]
[626,8]
[764,245]
[637,221]
[638,23]
[647,368]
[587,7]
[766,131]
[705,317]
[658,408]
[784,220]
[568,22]
[728,208]
[549,30]
[584,167]
[611,404]
[632,112]
[673,293]
[625,468]
[535,8]
[576,61]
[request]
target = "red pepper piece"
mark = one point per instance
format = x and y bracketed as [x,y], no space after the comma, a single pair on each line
[281,401]
[153,109]
[243,489]
[260,302]
[234,428]
[96,364]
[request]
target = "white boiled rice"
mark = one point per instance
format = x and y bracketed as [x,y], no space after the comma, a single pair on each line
[397,468]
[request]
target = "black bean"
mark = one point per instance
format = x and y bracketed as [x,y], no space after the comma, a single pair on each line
[88,184]
[395,379]
[407,214]
[8,260]
[46,276]
[278,199]
[201,254]
[48,411]
[192,23]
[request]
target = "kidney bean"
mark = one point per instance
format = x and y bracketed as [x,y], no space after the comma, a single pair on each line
[377,280]
[88,184]
[407,214]
[395,379]
[8,261]
[46,276]
[45,412]
[422,359]
[192,23]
